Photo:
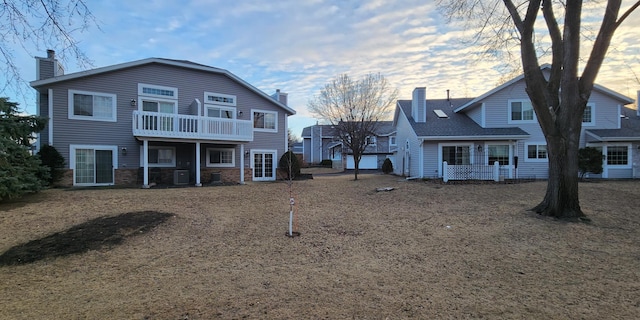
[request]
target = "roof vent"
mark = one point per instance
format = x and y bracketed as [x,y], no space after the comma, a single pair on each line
[440,113]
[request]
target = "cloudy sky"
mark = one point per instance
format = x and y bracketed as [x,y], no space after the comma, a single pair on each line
[299,45]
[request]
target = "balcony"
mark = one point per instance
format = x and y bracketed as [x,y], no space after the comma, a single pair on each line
[182,126]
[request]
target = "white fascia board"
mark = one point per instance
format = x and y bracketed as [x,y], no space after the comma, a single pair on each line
[467,138]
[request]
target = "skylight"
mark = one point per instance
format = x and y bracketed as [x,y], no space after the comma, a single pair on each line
[440,113]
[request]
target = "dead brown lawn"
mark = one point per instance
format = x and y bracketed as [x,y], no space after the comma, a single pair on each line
[424,250]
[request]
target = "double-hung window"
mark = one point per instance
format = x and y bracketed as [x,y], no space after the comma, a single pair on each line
[618,155]
[536,152]
[265,120]
[589,115]
[96,106]
[521,111]
[220,157]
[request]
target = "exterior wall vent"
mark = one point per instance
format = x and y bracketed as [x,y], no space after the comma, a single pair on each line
[216,178]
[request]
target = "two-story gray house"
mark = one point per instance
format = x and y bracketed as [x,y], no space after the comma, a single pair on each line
[321,142]
[159,121]
[463,138]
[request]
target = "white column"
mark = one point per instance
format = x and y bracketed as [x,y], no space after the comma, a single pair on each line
[145,163]
[198,184]
[242,164]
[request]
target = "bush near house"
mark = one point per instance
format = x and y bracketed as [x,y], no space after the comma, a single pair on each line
[51,158]
[289,165]
[387,166]
[589,161]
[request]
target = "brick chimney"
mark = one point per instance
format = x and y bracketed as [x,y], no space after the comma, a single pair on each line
[419,104]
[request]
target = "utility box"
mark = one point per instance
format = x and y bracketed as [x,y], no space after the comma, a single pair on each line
[181,177]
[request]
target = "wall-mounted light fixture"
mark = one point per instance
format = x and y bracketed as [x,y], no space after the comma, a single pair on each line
[246,153]
[133,102]
[240,113]
[124,151]
[479,148]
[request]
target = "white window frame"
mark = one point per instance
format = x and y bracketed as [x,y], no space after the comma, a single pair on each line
[141,92]
[114,109]
[509,156]
[221,95]
[593,116]
[275,113]
[605,152]
[537,144]
[221,165]
[221,107]
[442,145]
[393,141]
[371,141]
[141,101]
[159,165]
[509,113]
[72,161]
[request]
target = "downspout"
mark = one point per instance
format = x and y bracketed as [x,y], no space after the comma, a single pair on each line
[145,163]
[50,107]
[198,184]
[421,158]
[242,164]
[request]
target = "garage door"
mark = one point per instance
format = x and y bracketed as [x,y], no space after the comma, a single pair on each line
[366,162]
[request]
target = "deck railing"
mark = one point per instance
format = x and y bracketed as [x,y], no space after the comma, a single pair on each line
[168,125]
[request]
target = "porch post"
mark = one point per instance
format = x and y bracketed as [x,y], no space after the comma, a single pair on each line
[242,164]
[445,170]
[198,184]
[145,163]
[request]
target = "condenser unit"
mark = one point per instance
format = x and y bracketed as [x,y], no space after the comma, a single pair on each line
[180,177]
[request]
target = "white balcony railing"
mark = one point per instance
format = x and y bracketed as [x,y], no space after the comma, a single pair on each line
[182,126]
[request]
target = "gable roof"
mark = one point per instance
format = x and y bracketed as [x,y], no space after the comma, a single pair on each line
[171,62]
[457,126]
[596,87]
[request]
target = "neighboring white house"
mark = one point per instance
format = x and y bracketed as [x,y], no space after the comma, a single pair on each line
[472,134]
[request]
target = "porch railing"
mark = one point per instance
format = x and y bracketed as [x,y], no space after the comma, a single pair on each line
[470,172]
[168,125]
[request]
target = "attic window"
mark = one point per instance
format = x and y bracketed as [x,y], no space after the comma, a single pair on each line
[440,113]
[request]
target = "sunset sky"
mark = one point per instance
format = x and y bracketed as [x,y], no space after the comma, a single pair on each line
[298,46]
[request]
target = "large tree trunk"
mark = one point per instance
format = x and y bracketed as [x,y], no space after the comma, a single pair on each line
[562,199]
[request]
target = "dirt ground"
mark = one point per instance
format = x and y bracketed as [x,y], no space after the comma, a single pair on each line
[423,250]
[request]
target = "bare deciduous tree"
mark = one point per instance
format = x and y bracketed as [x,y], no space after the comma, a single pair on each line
[354,108]
[28,25]
[559,100]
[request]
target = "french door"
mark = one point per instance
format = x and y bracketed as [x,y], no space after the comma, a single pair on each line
[93,165]
[264,165]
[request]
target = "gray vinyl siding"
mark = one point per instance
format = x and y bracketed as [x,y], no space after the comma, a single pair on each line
[43,111]
[46,68]
[476,114]
[405,133]
[306,150]
[191,85]
[620,173]
[431,164]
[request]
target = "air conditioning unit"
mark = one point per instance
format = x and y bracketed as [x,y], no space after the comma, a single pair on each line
[181,177]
